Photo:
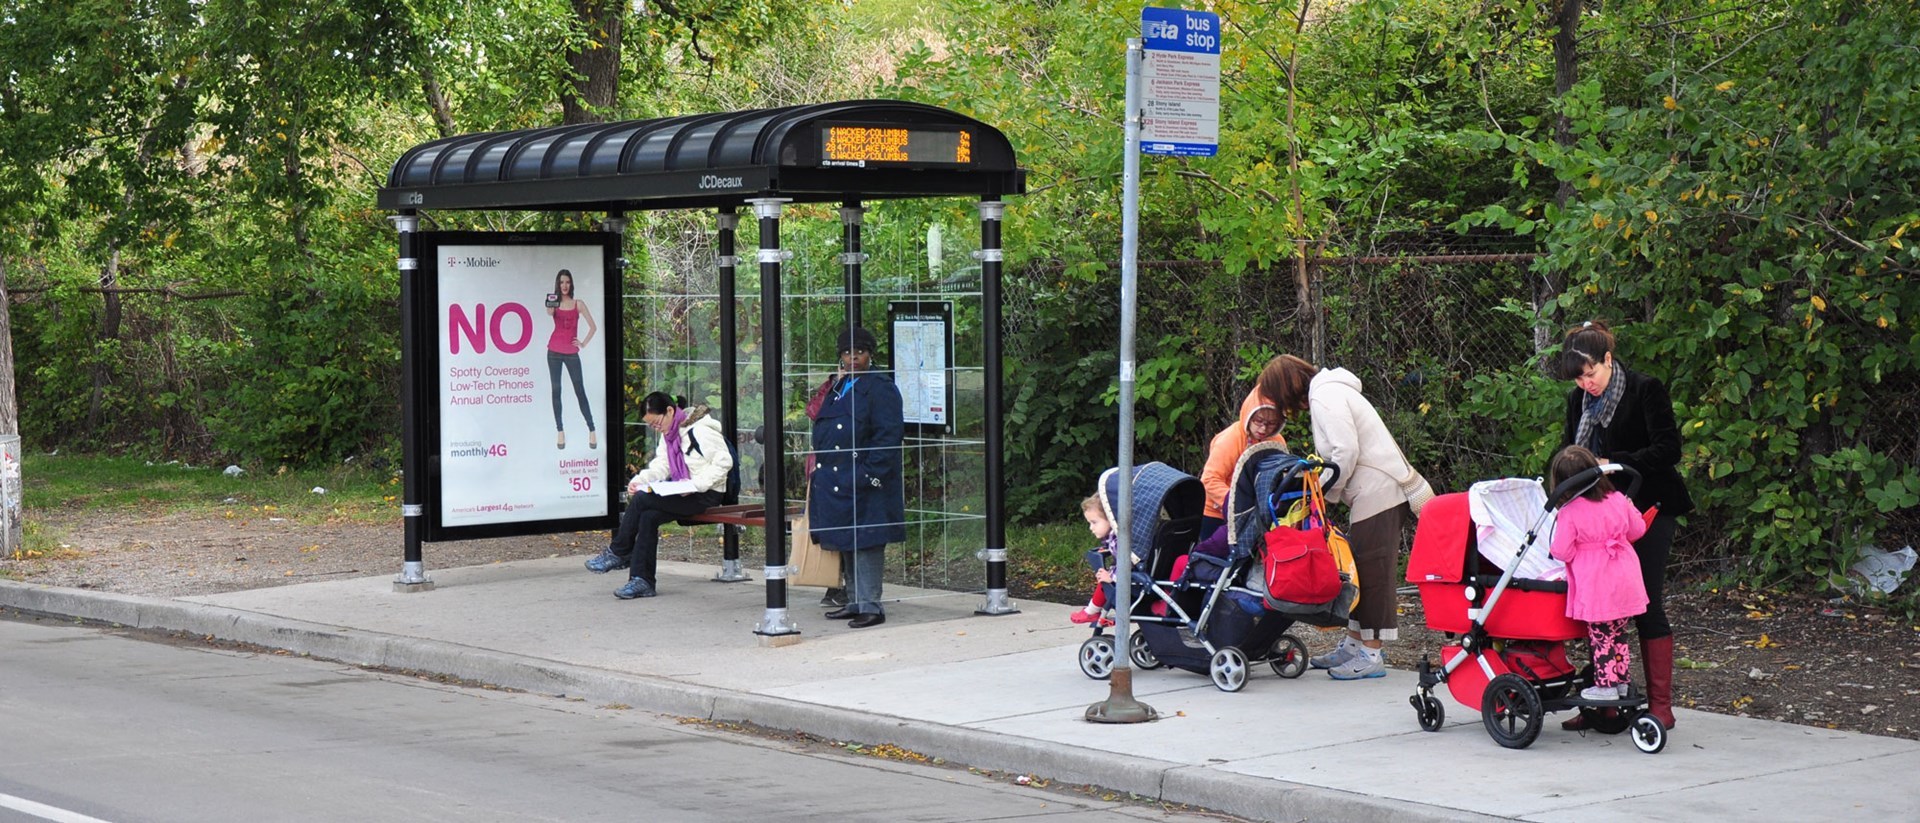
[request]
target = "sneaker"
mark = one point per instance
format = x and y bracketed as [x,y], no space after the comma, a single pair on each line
[1360,666]
[835,597]
[606,561]
[1340,654]
[636,587]
[1600,693]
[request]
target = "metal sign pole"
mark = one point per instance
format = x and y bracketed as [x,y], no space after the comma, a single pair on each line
[1120,706]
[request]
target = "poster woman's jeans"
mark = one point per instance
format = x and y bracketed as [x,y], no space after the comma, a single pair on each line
[572,362]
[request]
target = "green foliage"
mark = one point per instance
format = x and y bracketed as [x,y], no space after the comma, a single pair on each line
[1058,441]
[1745,207]
[181,150]
[1169,394]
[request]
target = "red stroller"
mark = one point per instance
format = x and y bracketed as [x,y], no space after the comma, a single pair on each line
[1509,657]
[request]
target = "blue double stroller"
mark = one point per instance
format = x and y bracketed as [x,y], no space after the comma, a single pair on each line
[1206,619]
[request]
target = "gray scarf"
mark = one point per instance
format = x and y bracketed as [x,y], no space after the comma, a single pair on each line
[1599,410]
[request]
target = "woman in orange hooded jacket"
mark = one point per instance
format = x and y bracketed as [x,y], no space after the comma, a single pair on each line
[1259,422]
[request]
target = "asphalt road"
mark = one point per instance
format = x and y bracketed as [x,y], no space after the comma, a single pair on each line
[100,725]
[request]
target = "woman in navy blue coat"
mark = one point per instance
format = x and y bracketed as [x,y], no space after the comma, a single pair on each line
[857,502]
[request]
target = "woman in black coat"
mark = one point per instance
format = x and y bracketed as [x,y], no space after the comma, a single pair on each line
[856,501]
[1626,417]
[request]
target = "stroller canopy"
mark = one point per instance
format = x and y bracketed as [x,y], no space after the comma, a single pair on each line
[1258,478]
[1157,489]
[1440,541]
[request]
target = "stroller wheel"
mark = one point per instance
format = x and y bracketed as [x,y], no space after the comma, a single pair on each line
[1289,657]
[1511,710]
[1141,654]
[1649,734]
[1428,710]
[1228,668]
[1096,657]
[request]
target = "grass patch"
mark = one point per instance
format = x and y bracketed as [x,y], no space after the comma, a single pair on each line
[85,484]
[1047,562]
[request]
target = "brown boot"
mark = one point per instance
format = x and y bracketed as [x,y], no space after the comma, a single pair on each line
[1656,656]
[1576,723]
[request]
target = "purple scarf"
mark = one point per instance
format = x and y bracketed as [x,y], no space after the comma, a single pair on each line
[676,454]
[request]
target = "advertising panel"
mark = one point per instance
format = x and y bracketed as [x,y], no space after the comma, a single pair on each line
[525,333]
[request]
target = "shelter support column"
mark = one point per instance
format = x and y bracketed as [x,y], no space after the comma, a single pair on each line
[991,212]
[726,223]
[775,623]
[413,452]
[851,257]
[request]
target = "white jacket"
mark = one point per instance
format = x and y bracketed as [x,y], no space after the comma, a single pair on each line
[1348,432]
[707,464]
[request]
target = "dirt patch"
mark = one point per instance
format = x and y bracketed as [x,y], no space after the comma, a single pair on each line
[1794,659]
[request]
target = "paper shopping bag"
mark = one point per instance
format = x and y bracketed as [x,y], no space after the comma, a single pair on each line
[812,564]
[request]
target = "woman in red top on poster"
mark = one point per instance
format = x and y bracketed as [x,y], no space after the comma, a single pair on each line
[563,350]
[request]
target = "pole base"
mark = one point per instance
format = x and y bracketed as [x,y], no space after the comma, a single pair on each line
[412,578]
[775,624]
[1120,707]
[1130,711]
[730,572]
[996,603]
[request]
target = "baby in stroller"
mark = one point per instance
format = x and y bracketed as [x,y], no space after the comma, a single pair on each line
[1101,559]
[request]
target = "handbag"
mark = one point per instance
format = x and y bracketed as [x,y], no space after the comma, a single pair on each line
[809,564]
[1299,568]
[1337,544]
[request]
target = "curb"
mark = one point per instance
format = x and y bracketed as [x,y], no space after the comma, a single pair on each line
[1237,794]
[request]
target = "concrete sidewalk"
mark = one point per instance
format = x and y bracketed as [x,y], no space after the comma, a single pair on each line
[1006,693]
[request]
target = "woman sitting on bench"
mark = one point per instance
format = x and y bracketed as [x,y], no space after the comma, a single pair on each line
[687,476]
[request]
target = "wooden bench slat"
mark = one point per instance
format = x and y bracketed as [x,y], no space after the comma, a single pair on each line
[740,514]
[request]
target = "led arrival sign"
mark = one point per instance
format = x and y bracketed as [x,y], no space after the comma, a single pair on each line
[852,145]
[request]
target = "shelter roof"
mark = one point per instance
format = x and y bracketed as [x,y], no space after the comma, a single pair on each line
[826,152]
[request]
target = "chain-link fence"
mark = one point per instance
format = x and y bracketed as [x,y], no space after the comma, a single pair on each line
[1422,329]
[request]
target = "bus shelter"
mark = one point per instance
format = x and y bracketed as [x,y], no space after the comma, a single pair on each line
[756,161]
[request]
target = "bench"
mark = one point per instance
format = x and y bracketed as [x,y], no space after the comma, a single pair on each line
[739,514]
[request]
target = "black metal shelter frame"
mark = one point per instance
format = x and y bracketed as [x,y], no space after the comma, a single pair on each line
[762,160]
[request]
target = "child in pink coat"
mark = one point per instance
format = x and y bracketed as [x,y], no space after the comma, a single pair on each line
[1593,534]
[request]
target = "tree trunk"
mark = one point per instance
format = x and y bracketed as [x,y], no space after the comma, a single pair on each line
[437,100]
[1566,72]
[596,68]
[1304,291]
[10,532]
[110,315]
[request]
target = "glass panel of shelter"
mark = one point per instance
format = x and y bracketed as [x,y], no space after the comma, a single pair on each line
[672,345]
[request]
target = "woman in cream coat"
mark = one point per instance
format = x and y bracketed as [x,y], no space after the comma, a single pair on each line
[1378,486]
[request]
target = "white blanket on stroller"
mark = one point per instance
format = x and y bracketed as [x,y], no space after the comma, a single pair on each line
[1502,511]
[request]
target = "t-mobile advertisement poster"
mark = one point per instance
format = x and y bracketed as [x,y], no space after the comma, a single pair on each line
[522,383]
